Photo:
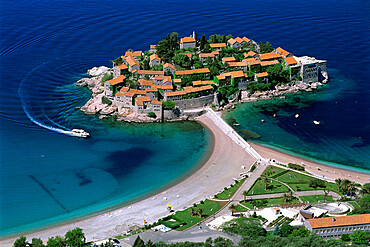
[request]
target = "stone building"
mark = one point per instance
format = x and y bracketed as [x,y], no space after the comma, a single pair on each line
[311,69]
[187,42]
[334,227]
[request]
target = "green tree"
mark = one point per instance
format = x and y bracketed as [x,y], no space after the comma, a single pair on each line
[360,236]
[232,208]
[152,115]
[221,242]
[245,193]
[146,65]
[365,189]
[265,47]
[20,242]
[202,42]
[169,104]
[138,242]
[265,181]
[75,237]
[209,242]
[200,212]
[335,243]
[36,242]
[149,243]
[277,231]
[345,237]
[56,242]
[301,232]
[244,226]
[286,229]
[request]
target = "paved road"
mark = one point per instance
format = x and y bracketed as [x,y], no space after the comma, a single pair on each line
[194,234]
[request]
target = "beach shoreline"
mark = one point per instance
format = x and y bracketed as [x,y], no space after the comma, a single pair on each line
[180,195]
[329,172]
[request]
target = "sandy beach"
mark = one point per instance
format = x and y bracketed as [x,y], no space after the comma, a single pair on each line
[224,164]
[329,172]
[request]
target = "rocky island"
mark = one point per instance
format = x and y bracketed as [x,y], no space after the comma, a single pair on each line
[177,78]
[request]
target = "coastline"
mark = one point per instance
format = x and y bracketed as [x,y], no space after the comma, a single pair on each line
[224,164]
[330,172]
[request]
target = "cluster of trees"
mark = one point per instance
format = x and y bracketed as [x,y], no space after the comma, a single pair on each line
[363,205]
[346,187]
[265,47]
[316,183]
[296,167]
[73,238]
[167,46]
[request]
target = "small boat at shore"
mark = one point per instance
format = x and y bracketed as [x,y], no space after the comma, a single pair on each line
[316,122]
[79,133]
[296,115]
[236,124]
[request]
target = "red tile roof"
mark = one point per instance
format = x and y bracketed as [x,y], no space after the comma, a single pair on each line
[340,221]
[156,102]
[176,93]
[252,61]
[231,41]
[193,71]
[150,72]
[269,56]
[177,80]
[134,54]
[154,56]
[263,74]
[164,87]
[187,40]
[169,65]
[238,39]
[153,47]
[198,83]
[117,80]
[228,59]
[141,100]
[246,39]
[237,64]
[268,63]
[145,82]
[249,54]
[290,60]
[122,66]
[234,74]
[282,51]
[218,45]
[202,55]
[131,61]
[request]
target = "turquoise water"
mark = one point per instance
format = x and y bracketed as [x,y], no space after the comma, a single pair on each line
[300,136]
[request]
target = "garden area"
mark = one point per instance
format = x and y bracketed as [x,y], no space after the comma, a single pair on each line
[300,182]
[184,219]
[264,185]
[229,191]
[316,198]
[269,202]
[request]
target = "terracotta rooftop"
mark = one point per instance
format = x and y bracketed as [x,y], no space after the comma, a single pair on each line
[269,56]
[150,72]
[282,51]
[156,102]
[153,47]
[215,52]
[252,61]
[290,60]
[163,78]
[164,87]
[246,39]
[263,74]
[268,63]
[141,100]
[131,61]
[169,65]
[234,74]
[145,82]
[193,71]
[187,40]
[231,41]
[117,80]
[237,64]
[206,55]
[176,81]
[124,89]
[176,93]
[154,56]
[199,83]
[134,54]
[340,221]
[229,59]
[220,77]
[133,92]
[218,45]
[191,89]
[238,39]
[122,66]
[249,54]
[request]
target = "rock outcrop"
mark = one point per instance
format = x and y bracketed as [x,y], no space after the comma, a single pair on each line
[97,71]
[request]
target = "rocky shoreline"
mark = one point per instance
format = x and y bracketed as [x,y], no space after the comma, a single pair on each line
[95,105]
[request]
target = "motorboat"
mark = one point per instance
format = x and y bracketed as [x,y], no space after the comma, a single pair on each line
[79,133]
[297,115]
[316,122]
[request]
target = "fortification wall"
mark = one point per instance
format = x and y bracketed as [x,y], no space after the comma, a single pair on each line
[195,103]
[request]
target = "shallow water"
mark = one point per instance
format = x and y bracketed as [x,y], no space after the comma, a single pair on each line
[47,177]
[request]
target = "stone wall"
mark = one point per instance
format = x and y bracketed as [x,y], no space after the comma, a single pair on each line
[195,103]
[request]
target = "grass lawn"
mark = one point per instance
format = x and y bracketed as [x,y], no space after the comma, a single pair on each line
[354,204]
[316,198]
[273,171]
[258,188]
[226,194]
[294,179]
[268,202]
[184,219]
[240,208]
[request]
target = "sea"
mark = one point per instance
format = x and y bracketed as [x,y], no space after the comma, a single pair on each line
[47,177]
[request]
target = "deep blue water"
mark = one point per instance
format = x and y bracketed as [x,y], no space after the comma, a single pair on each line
[47,177]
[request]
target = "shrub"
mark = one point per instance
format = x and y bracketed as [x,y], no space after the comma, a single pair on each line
[152,115]
[253,167]
[296,167]
[168,105]
[107,77]
[105,100]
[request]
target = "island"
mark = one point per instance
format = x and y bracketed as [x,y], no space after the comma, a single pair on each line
[178,77]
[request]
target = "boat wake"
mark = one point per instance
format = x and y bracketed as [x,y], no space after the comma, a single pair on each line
[42,102]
